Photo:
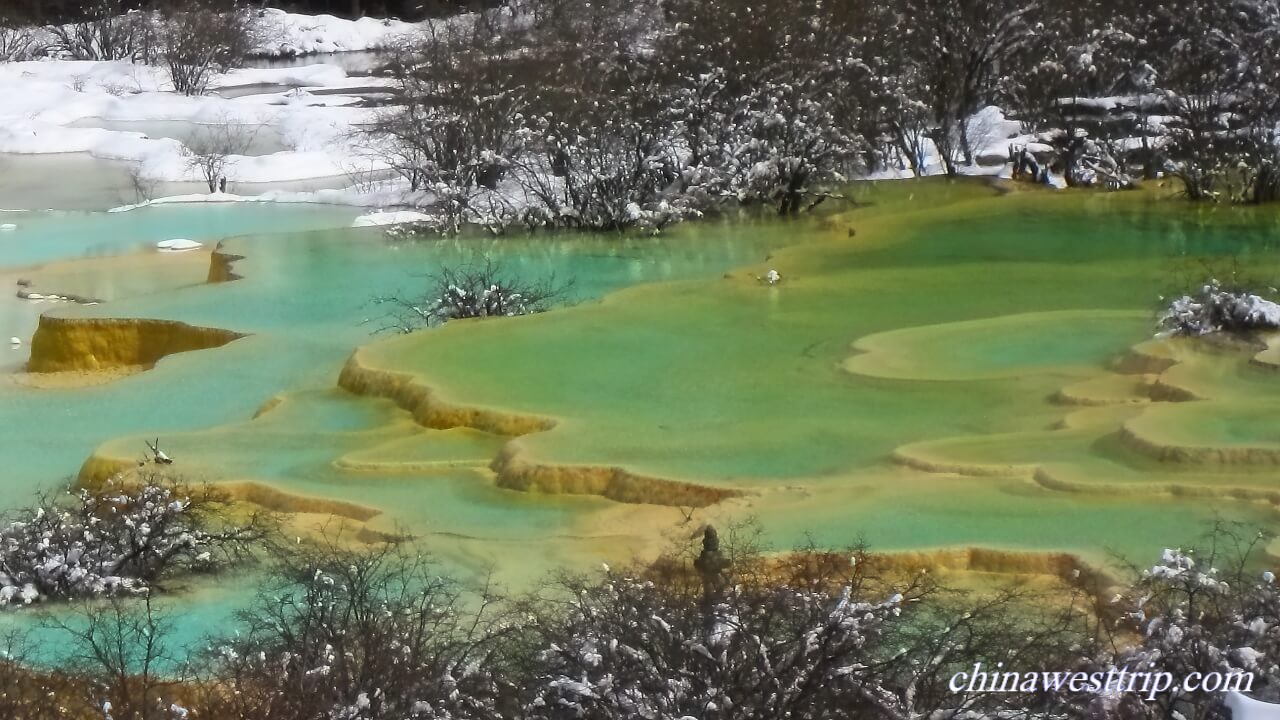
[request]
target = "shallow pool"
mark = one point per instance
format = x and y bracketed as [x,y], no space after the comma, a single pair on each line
[940,367]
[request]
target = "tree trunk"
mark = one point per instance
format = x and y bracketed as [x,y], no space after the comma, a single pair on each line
[966,152]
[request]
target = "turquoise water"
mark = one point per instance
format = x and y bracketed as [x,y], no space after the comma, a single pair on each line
[43,237]
[718,379]
[306,301]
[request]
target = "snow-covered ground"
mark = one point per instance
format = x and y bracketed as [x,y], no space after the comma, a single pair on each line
[52,106]
[991,134]
[288,34]
[42,99]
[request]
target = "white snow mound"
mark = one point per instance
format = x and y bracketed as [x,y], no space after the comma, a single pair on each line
[178,245]
[397,217]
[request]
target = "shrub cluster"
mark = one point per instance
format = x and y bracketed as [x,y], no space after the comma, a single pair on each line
[99,543]
[717,630]
[611,115]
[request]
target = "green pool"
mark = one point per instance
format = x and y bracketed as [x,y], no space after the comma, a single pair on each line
[942,366]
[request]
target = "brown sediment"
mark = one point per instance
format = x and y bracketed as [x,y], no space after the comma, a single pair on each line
[1107,390]
[1198,455]
[426,407]
[98,470]
[513,472]
[408,467]
[284,502]
[1048,481]
[333,529]
[73,378]
[63,344]
[1149,358]
[974,559]
[221,266]
[272,403]
[903,456]
[1162,390]
[1269,357]
[614,483]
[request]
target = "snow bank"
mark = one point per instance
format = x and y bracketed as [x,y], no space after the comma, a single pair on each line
[990,135]
[385,194]
[290,34]
[1243,708]
[383,219]
[43,97]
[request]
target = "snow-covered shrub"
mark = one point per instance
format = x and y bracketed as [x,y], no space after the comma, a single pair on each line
[630,651]
[358,633]
[1216,308]
[18,40]
[792,148]
[763,105]
[476,290]
[605,171]
[94,543]
[107,30]
[458,132]
[1214,610]
[735,634]
[197,39]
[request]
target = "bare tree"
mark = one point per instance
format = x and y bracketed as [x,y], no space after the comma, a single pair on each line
[108,30]
[20,39]
[144,186]
[32,692]
[358,633]
[457,134]
[953,53]
[200,38]
[764,107]
[209,152]
[122,648]
[1216,68]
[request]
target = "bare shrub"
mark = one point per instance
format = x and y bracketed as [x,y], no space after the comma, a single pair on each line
[36,694]
[19,39]
[209,152]
[1207,610]
[120,650]
[199,39]
[732,632]
[476,290]
[109,30]
[457,134]
[357,633]
[144,186]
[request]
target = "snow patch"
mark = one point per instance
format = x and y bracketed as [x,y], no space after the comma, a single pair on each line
[178,245]
[293,34]
[397,217]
